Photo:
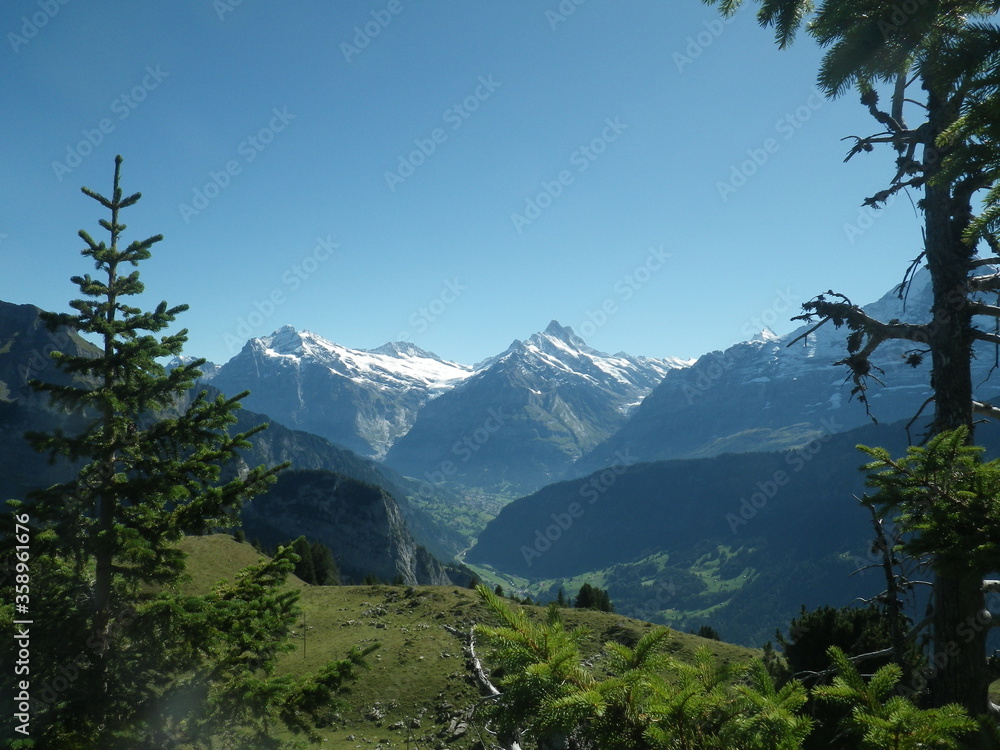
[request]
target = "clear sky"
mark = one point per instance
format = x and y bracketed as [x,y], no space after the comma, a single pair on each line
[454,174]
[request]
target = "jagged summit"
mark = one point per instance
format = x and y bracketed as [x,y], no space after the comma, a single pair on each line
[560,335]
[529,412]
[285,340]
[765,335]
[563,333]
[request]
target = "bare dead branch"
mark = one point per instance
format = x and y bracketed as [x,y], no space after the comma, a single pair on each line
[909,437]
[985,409]
[981,308]
[991,338]
[904,286]
[846,313]
[867,335]
[992,261]
[804,335]
[985,283]
[884,195]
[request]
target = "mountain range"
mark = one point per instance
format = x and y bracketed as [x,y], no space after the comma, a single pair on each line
[444,448]
[549,407]
[508,424]
[779,392]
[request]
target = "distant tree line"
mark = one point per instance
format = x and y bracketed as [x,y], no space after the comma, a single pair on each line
[592,597]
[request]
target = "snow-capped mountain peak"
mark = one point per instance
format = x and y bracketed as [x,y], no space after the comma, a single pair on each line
[401,363]
[563,333]
[363,399]
[207,369]
[535,407]
[765,335]
[285,341]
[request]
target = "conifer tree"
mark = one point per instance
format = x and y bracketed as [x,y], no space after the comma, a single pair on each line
[121,659]
[593,597]
[707,631]
[327,573]
[585,598]
[936,61]
[304,568]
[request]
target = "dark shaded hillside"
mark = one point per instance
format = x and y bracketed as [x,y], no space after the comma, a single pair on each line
[626,511]
[783,527]
[307,451]
[25,346]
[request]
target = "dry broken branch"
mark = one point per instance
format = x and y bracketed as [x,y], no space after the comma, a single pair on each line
[985,409]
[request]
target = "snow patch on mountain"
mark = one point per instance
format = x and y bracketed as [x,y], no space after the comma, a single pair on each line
[391,366]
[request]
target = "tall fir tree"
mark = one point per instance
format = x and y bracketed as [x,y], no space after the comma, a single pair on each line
[121,659]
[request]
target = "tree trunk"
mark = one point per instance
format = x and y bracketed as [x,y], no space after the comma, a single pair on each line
[959,666]
[959,656]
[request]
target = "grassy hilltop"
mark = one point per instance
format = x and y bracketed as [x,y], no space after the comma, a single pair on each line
[418,691]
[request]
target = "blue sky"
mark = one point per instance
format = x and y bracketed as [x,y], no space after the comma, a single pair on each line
[456,175]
